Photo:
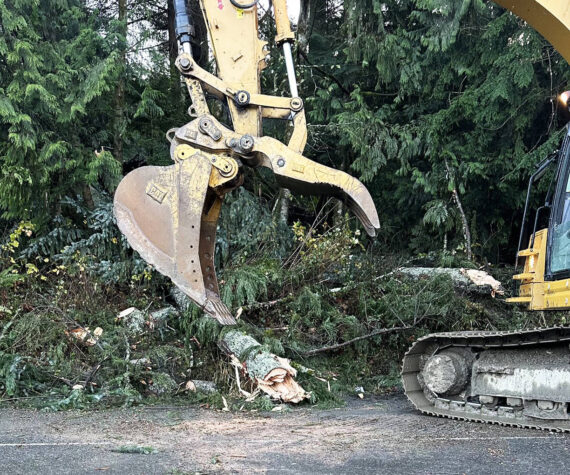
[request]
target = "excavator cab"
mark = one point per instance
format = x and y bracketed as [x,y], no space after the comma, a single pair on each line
[545,280]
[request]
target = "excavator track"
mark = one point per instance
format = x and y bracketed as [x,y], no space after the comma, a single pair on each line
[462,408]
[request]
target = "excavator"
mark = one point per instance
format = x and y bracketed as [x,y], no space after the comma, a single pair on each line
[169,215]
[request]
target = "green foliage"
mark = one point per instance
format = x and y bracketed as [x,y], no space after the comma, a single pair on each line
[47,83]
[419,98]
[243,285]
[11,369]
[238,239]
[413,84]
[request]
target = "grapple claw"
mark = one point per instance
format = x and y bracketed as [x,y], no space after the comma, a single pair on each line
[298,173]
[305,176]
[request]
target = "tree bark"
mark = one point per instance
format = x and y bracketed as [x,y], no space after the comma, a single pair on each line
[467,280]
[285,198]
[305,25]
[464,222]
[273,375]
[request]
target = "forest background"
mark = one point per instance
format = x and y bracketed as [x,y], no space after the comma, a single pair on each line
[442,108]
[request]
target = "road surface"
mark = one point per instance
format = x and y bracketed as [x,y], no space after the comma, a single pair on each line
[375,435]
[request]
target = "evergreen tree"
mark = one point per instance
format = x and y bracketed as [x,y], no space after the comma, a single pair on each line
[55,70]
[438,100]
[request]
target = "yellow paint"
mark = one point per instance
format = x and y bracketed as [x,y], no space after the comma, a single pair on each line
[282,24]
[237,39]
[532,288]
[534,291]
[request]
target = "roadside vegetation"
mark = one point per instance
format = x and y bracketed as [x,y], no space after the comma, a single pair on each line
[442,108]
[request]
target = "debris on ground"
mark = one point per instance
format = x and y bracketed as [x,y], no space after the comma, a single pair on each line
[133,319]
[158,320]
[198,385]
[182,300]
[161,383]
[135,449]
[85,336]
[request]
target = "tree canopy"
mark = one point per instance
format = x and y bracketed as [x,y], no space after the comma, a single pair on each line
[442,107]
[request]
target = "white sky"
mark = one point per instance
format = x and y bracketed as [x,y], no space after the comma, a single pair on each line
[293,7]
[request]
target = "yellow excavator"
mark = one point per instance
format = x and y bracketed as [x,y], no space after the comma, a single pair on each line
[169,215]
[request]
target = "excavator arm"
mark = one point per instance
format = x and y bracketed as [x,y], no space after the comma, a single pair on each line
[170,214]
[551,18]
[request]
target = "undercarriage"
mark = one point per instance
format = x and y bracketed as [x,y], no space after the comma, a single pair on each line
[518,379]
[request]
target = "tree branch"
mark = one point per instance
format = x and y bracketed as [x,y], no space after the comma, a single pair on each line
[324,73]
[381,331]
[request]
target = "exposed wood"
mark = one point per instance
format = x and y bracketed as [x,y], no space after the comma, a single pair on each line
[338,346]
[273,375]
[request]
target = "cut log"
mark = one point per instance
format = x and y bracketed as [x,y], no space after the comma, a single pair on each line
[273,375]
[468,280]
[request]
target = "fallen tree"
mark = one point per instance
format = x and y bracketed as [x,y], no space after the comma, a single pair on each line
[272,374]
[468,280]
[338,346]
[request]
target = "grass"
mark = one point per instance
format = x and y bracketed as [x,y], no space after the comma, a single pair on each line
[135,449]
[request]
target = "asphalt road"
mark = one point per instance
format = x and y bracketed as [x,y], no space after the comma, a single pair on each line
[384,436]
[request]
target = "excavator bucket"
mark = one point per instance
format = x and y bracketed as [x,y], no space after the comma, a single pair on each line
[169,215]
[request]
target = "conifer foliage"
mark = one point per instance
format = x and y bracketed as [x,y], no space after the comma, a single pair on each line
[55,67]
[442,108]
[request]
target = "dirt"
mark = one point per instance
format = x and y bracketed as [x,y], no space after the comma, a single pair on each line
[374,435]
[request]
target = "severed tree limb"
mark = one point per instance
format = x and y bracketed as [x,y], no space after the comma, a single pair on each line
[381,331]
[273,375]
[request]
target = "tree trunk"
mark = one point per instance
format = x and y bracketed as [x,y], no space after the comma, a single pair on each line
[88,198]
[464,222]
[285,198]
[470,281]
[273,375]
[305,25]
[119,119]
[466,232]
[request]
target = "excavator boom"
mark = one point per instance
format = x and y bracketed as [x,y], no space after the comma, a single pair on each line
[551,18]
